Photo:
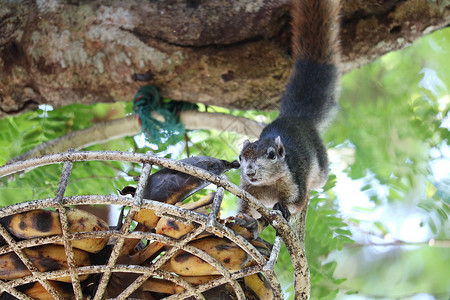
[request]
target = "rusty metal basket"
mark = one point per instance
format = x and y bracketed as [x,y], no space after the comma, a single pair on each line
[202,223]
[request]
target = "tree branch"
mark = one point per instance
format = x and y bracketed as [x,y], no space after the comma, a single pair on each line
[399,243]
[129,126]
[59,53]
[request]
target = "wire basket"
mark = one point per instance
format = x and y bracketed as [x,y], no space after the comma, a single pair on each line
[202,223]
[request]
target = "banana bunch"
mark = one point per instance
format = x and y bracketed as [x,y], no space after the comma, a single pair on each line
[160,225]
[41,223]
[50,257]
[195,270]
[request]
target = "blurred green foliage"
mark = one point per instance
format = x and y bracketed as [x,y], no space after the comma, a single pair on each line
[390,161]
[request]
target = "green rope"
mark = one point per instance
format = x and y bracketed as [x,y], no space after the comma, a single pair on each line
[146,102]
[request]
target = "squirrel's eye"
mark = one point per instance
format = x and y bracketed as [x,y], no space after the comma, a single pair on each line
[240,158]
[271,155]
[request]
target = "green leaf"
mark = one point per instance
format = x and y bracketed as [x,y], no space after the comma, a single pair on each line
[381,227]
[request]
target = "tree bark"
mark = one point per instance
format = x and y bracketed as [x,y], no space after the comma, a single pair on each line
[228,53]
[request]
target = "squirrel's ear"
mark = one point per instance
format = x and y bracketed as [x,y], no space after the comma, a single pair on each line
[246,142]
[278,142]
[280,146]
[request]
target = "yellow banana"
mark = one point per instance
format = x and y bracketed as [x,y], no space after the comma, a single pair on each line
[231,256]
[259,286]
[161,286]
[177,229]
[45,258]
[149,251]
[173,228]
[147,217]
[197,280]
[200,203]
[40,223]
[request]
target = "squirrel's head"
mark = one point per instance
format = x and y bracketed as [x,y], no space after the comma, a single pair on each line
[263,161]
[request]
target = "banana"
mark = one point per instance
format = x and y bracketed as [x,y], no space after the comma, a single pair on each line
[197,280]
[231,256]
[45,258]
[168,287]
[147,217]
[36,291]
[259,285]
[173,228]
[148,252]
[161,286]
[40,223]
[200,203]
[177,229]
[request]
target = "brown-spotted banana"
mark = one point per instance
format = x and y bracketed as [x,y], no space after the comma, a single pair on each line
[36,291]
[168,287]
[41,222]
[227,253]
[45,258]
[176,229]
[259,285]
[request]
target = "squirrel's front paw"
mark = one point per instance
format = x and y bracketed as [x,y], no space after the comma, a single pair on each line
[283,209]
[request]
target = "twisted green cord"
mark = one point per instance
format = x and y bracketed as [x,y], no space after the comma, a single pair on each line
[147,102]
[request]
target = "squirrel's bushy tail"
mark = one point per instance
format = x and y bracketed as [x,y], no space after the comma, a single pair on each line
[315,26]
[311,92]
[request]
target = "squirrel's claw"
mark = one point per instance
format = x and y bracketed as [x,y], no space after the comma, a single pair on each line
[283,209]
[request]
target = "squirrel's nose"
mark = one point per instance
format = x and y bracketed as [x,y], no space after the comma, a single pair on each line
[250,172]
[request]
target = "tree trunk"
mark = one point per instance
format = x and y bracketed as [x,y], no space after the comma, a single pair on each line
[227,53]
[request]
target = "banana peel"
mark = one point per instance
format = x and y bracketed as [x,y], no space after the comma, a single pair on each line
[171,186]
[45,258]
[41,223]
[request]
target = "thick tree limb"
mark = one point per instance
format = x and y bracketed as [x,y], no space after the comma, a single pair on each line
[129,126]
[61,52]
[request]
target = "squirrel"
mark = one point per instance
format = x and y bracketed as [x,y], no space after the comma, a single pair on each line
[289,159]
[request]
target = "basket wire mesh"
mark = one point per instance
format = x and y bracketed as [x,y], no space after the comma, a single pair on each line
[201,222]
